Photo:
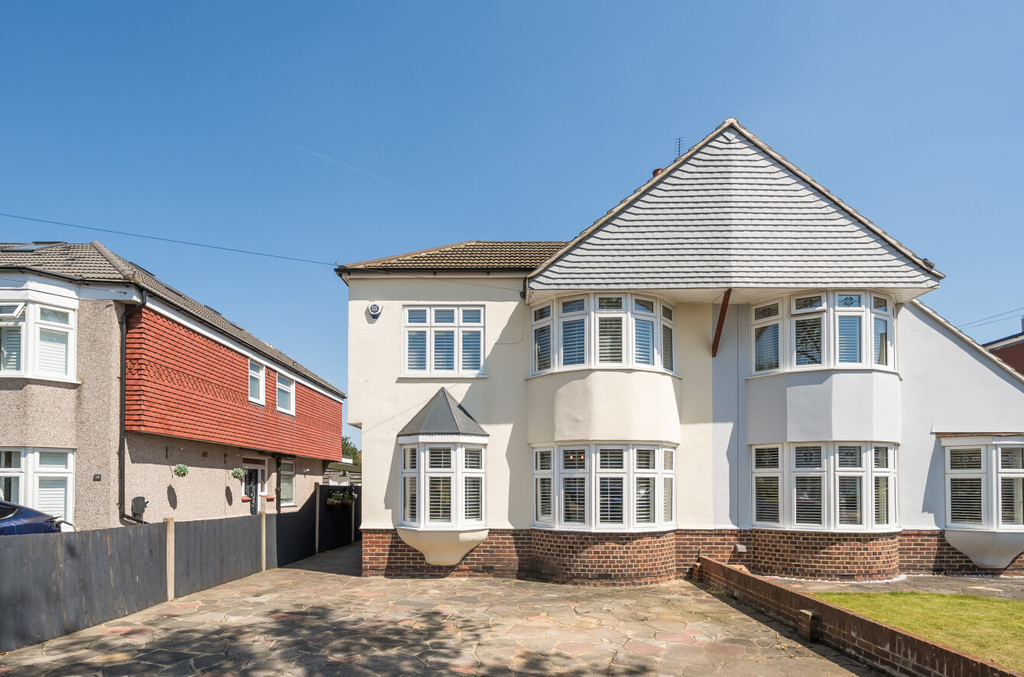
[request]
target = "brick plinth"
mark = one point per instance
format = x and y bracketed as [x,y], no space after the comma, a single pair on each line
[721,544]
[812,554]
[386,554]
[603,558]
[928,552]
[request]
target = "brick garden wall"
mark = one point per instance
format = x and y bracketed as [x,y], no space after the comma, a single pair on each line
[182,384]
[876,643]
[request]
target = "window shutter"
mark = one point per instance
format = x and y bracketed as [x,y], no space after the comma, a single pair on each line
[542,347]
[645,500]
[766,499]
[53,352]
[52,496]
[574,459]
[807,457]
[543,460]
[474,459]
[644,342]
[965,500]
[543,498]
[849,457]
[471,351]
[10,349]
[645,459]
[849,500]
[610,509]
[766,347]
[808,340]
[666,494]
[849,338]
[409,499]
[667,348]
[574,343]
[1011,499]
[440,499]
[766,458]
[808,500]
[881,341]
[444,350]
[574,500]
[1011,458]
[611,459]
[881,500]
[439,458]
[474,498]
[417,355]
[609,339]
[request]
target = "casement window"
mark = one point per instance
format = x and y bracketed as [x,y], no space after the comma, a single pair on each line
[443,485]
[287,481]
[604,487]
[444,340]
[37,341]
[985,485]
[257,379]
[39,478]
[603,331]
[837,330]
[285,395]
[823,486]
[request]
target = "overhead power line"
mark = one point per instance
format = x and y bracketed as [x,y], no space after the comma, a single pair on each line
[167,239]
[998,317]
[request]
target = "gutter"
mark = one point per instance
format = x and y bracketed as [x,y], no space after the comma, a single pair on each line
[121,442]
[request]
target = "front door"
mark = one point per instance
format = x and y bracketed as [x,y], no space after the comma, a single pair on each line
[253,485]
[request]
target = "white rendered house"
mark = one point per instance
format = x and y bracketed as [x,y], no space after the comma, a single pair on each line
[730,361]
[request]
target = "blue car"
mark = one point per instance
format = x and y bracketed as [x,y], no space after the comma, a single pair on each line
[17,519]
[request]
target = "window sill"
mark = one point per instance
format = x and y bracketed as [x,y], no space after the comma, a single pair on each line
[47,379]
[440,377]
[575,370]
[604,529]
[816,370]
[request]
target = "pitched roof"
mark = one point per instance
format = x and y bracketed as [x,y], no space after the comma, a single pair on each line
[472,255]
[94,263]
[732,212]
[442,415]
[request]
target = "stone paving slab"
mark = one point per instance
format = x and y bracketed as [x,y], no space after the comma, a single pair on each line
[316,619]
[1007,587]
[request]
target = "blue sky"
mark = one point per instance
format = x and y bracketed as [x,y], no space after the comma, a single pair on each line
[339,132]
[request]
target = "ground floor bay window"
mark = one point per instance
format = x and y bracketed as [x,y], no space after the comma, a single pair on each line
[42,479]
[604,487]
[829,486]
[443,485]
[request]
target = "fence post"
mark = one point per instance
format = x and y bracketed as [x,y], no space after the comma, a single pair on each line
[263,540]
[316,521]
[169,522]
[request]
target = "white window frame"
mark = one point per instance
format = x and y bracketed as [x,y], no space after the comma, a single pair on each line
[414,464]
[623,317]
[990,475]
[288,471]
[592,474]
[460,328]
[574,316]
[261,399]
[27,318]
[289,387]
[540,474]
[764,321]
[31,471]
[543,317]
[828,473]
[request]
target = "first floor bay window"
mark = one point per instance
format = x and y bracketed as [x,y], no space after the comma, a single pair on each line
[443,483]
[603,487]
[846,486]
[37,340]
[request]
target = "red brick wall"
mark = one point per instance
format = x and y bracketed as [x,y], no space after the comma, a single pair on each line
[928,552]
[1013,355]
[386,554]
[720,544]
[875,643]
[809,554]
[183,384]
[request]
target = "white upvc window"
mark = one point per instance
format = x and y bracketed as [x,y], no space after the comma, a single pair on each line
[881,331]
[37,340]
[287,482]
[443,485]
[668,345]
[604,487]
[767,334]
[611,316]
[808,330]
[542,345]
[443,340]
[573,332]
[835,486]
[257,381]
[39,478]
[285,395]
[985,483]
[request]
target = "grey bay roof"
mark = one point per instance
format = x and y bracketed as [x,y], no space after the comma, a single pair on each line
[442,415]
[86,263]
[472,255]
[733,213]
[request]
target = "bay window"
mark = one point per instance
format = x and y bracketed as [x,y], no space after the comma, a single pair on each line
[604,487]
[443,340]
[36,340]
[985,484]
[847,486]
[451,474]
[39,478]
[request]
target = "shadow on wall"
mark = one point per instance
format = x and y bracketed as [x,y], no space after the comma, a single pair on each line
[172,497]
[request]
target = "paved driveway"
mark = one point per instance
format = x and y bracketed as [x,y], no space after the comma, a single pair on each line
[315,618]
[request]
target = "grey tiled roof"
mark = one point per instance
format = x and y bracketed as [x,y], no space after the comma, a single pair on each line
[92,262]
[442,415]
[469,255]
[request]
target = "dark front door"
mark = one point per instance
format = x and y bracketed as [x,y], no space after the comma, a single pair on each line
[252,489]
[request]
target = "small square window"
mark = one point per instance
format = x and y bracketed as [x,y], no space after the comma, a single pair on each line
[666,313]
[541,313]
[807,457]
[574,306]
[803,304]
[417,315]
[471,315]
[574,459]
[542,460]
[766,458]
[474,459]
[643,306]
[848,301]
[609,303]
[645,459]
[879,303]
[444,316]
[611,459]
[849,457]
[766,312]
[409,459]
[439,458]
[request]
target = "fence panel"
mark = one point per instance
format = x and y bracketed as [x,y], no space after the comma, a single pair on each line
[210,552]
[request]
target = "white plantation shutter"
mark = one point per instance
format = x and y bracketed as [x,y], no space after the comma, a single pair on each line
[666,494]
[53,352]
[881,500]
[574,345]
[766,347]
[881,341]
[609,339]
[52,496]
[645,500]
[543,498]
[409,500]
[471,351]
[611,459]
[1011,499]
[644,341]
[444,350]
[440,499]
[10,349]
[766,457]
[474,459]
[965,500]
[808,500]
[766,499]
[574,500]
[667,348]
[542,347]
[849,338]
[849,457]
[611,498]
[416,359]
[474,504]
[849,500]
[965,459]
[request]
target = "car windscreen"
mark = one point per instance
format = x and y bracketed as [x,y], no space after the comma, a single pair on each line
[7,511]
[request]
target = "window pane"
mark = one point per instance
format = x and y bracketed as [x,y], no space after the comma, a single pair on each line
[56,316]
[766,457]
[53,459]
[766,347]
[644,341]
[53,352]
[542,347]
[1011,458]
[444,316]
[543,505]
[880,303]
[542,313]
[440,497]
[881,342]
[849,500]
[409,460]
[609,339]
[965,500]
[574,500]
[417,359]
[610,507]
[965,459]
[611,459]
[284,393]
[439,458]
[848,457]
[474,459]
[643,306]
[471,351]
[881,457]
[574,306]
[764,312]
[808,500]
[474,498]
[542,460]
[645,459]
[10,459]
[409,500]
[10,489]
[52,497]
[417,315]
[808,302]
[808,340]
[669,460]
[287,482]
[471,315]
[574,345]
[807,457]
[444,350]
[667,348]
[1011,500]
[574,459]
[848,301]
[849,338]
[881,500]
[766,499]
[645,500]
[10,349]
[609,303]
[666,495]
[666,312]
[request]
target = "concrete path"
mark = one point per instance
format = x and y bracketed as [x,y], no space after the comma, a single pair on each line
[982,586]
[315,618]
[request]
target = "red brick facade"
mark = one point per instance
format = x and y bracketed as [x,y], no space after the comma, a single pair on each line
[638,559]
[182,384]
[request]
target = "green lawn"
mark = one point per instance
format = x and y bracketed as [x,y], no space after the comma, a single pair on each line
[986,627]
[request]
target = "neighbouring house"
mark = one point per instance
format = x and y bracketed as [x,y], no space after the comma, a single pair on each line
[730,362]
[109,379]
[1010,349]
